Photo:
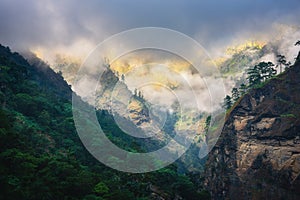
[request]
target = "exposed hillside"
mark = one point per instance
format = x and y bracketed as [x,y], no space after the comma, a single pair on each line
[242,57]
[135,115]
[258,153]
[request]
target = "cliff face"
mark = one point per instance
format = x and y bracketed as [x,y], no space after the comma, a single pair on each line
[258,153]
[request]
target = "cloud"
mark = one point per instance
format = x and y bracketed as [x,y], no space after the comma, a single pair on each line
[74,27]
[50,23]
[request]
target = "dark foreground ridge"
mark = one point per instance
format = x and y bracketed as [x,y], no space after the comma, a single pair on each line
[41,156]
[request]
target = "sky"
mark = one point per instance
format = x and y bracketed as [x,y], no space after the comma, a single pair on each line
[74,28]
[30,24]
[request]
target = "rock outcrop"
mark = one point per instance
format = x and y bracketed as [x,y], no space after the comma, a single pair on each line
[258,153]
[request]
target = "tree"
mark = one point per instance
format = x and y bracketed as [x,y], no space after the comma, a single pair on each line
[140,94]
[106,62]
[243,89]
[266,70]
[101,188]
[298,44]
[260,73]
[281,61]
[207,123]
[253,76]
[135,92]
[235,94]
[227,102]
[117,74]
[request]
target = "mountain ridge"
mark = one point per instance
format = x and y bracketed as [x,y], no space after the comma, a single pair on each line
[42,157]
[258,155]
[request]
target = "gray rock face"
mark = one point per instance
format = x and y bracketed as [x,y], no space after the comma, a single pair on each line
[258,153]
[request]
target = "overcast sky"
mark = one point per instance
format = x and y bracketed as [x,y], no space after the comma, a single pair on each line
[29,23]
[75,27]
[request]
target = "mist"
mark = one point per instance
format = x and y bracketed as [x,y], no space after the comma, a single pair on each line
[73,28]
[59,25]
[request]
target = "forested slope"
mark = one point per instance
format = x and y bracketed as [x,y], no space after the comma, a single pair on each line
[41,156]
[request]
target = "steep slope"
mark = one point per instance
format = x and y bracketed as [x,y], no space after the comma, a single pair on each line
[146,118]
[242,57]
[114,95]
[258,153]
[41,156]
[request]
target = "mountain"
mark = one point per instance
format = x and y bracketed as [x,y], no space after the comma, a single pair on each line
[41,155]
[135,114]
[242,56]
[258,153]
[115,96]
[143,118]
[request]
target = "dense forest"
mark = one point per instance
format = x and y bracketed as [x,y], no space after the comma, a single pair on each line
[41,156]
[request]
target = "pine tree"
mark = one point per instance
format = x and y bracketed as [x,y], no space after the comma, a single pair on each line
[227,102]
[266,70]
[140,94]
[135,92]
[260,73]
[117,74]
[281,61]
[235,94]
[106,62]
[243,89]
[207,123]
[253,76]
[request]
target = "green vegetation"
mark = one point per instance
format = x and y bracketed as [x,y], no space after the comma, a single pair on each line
[241,60]
[227,102]
[281,60]
[41,156]
[260,73]
[288,115]
[257,75]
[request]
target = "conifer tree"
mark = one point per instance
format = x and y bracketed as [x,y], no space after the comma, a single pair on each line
[253,76]
[227,102]
[281,61]
[260,73]
[235,94]
[243,89]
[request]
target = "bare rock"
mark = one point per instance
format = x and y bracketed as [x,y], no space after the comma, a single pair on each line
[258,153]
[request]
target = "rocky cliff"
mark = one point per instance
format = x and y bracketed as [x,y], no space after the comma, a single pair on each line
[258,153]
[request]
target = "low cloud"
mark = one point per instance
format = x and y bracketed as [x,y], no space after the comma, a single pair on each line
[30,24]
[74,28]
